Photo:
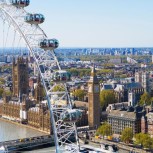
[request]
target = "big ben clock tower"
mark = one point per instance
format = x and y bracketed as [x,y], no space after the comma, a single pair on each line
[93,100]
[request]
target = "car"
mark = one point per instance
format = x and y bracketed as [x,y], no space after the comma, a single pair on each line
[26,139]
[116,139]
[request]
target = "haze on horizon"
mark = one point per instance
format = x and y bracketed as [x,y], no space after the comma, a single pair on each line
[96,23]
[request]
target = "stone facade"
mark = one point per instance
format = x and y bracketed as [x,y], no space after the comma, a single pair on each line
[122,92]
[39,92]
[143,77]
[139,118]
[10,109]
[39,118]
[148,123]
[24,112]
[20,77]
[19,107]
[131,117]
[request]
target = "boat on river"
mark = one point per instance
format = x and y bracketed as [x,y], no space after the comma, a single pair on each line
[2,149]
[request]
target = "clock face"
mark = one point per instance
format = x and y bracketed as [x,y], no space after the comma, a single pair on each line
[96,88]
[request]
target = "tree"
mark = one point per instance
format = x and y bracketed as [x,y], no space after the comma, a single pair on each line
[147,143]
[8,93]
[152,143]
[80,72]
[105,130]
[123,75]
[127,135]
[79,93]
[74,72]
[2,80]
[139,139]
[104,71]
[144,140]
[58,88]
[1,92]
[108,65]
[145,98]
[106,97]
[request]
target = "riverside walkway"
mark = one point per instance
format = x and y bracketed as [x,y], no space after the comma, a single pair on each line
[121,146]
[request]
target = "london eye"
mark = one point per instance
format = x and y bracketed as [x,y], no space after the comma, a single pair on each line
[43,51]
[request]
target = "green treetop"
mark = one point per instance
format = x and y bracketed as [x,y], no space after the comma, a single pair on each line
[1,92]
[144,140]
[79,93]
[145,99]
[107,97]
[105,130]
[127,135]
[58,88]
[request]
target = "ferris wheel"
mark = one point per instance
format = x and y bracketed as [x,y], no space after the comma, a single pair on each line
[26,25]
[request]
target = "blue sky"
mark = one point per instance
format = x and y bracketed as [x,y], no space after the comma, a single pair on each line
[97,23]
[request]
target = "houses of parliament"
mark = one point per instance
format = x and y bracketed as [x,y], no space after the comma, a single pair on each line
[28,106]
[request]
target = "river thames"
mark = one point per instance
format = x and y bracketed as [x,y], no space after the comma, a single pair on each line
[12,131]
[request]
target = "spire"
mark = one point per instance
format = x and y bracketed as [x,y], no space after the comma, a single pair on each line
[13,60]
[39,94]
[93,71]
[93,77]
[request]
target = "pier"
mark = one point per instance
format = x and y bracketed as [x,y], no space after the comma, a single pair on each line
[26,143]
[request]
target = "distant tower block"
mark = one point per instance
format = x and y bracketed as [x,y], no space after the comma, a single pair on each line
[20,77]
[93,100]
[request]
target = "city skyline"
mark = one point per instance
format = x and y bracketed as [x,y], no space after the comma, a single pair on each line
[96,24]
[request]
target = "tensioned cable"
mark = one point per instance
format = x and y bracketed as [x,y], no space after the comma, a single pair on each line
[7,35]
[14,41]
[3,36]
[18,44]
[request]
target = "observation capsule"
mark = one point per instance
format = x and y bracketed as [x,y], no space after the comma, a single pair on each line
[20,3]
[71,116]
[61,76]
[34,18]
[48,44]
